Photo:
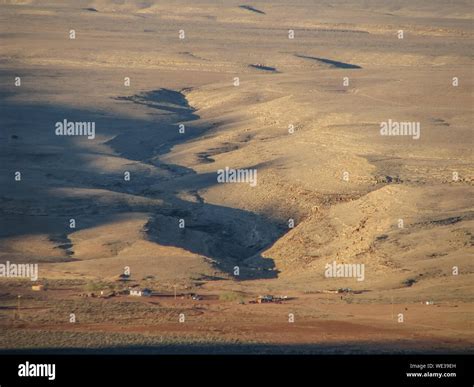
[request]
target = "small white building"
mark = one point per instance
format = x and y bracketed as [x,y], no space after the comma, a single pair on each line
[140,293]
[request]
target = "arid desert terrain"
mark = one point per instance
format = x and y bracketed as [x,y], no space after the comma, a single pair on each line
[296,93]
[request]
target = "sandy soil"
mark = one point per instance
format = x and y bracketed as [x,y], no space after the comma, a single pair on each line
[344,185]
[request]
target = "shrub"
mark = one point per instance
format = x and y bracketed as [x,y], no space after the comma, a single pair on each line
[95,286]
[409,282]
[230,296]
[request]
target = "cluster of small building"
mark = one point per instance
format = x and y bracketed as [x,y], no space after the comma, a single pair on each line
[134,292]
[269,299]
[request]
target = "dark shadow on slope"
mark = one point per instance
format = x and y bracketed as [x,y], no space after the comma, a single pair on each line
[154,138]
[332,63]
[264,68]
[230,236]
[50,164]
[225,234]
[165,100]
[252,9]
